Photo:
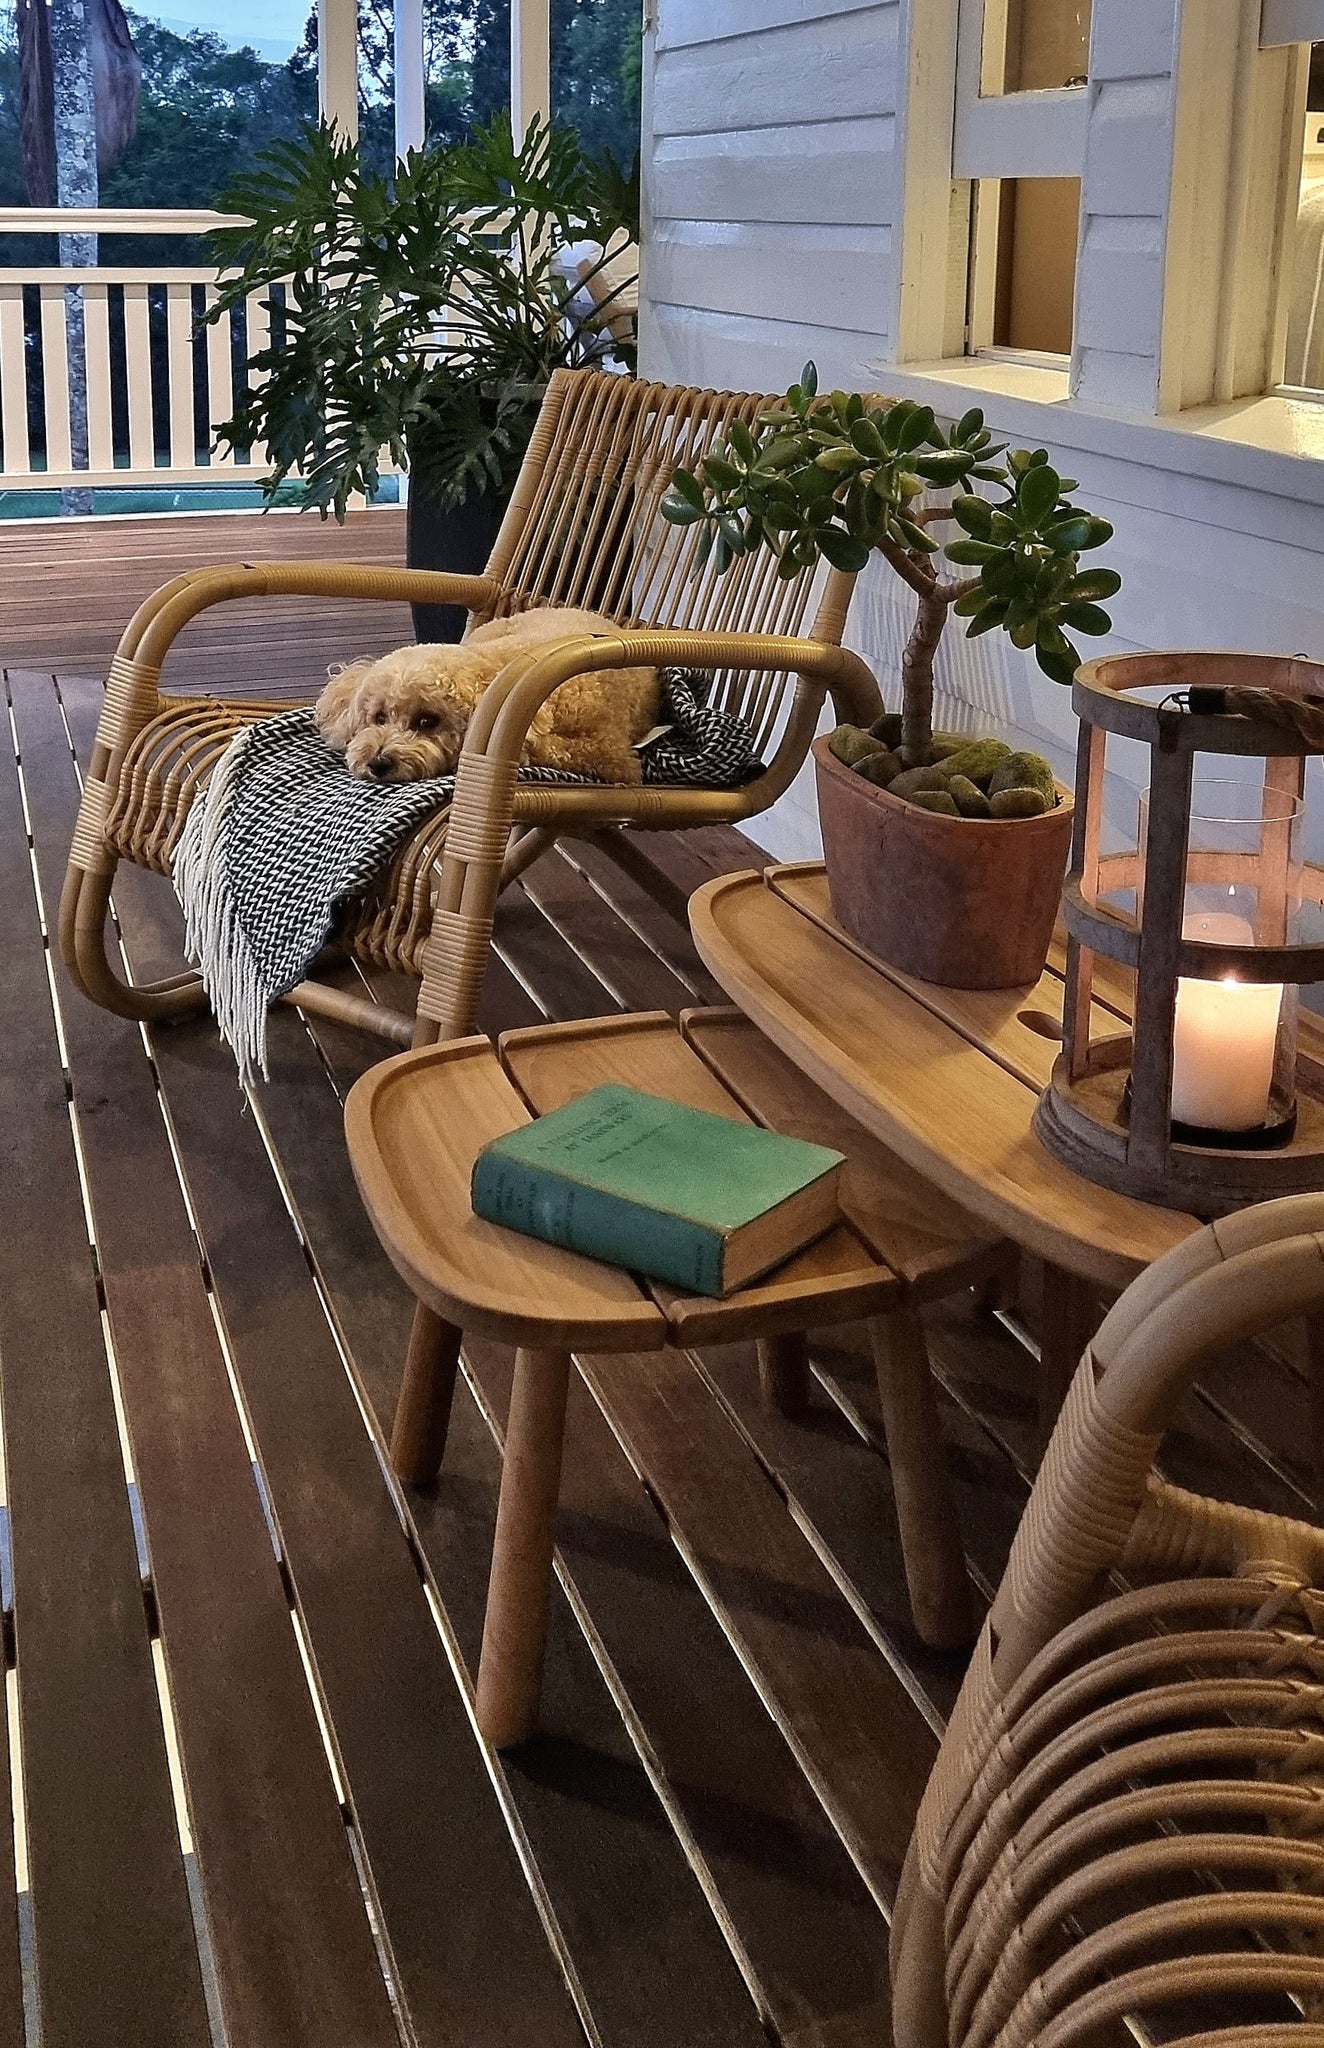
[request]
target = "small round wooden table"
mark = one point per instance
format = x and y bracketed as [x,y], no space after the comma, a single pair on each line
[415,1125]
[947,1078]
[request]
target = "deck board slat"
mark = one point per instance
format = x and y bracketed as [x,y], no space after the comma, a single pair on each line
[116,1956]
[458,1912]
[293,1948]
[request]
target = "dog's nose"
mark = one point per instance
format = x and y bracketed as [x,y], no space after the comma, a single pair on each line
[381,765]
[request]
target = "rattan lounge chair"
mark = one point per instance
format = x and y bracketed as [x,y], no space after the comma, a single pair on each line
[583,528]
[1123,1837]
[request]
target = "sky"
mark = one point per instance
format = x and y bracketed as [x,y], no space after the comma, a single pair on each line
[273,27]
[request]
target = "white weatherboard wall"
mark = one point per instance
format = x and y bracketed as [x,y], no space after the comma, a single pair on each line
[772,198]
[769,187]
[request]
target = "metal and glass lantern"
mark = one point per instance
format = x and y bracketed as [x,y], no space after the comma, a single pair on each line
[1197,933]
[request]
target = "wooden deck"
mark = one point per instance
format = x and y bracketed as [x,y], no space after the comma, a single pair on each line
[70,586]
[251,1806]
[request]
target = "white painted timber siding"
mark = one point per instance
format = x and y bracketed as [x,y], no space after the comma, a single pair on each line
[769,188]
[773,139]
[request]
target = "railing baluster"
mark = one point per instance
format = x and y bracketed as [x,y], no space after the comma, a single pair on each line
[138,357]
[259,339]
[96,341]
[14,382]
[220,378]
[179,358]
[37,371]
[55,379]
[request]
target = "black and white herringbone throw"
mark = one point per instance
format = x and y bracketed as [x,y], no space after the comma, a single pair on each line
[284,837]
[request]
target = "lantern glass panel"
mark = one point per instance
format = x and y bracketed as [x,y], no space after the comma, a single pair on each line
[1234,1034]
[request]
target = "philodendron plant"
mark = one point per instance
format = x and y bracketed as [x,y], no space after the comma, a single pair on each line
[841,477]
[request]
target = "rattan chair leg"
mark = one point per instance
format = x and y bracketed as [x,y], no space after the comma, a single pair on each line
[423,1410]
[518,1592]
[360,1013]
[919,2007]
[525,848]
[84,912]
[784,1374]
[930,1540]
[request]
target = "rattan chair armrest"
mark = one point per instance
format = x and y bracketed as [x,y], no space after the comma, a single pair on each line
[168,614]
[507,708]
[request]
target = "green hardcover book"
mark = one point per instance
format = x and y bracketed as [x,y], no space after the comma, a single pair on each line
[671,1192]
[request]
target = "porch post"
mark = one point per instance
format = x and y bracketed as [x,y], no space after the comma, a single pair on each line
[410,110]
[530,64]
[338,64]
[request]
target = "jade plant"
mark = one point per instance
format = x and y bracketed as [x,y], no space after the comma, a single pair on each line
[839,477]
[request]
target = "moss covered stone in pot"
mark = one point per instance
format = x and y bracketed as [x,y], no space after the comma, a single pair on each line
[839,477]
[950,870]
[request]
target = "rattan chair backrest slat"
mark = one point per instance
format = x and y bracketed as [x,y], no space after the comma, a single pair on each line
[585,528]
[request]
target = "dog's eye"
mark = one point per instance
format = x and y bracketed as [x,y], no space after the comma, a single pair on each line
[425,722]
[379,718]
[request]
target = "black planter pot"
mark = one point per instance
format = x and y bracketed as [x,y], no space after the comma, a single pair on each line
[455,537]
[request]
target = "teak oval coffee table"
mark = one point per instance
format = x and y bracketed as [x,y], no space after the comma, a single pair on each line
[948,1079]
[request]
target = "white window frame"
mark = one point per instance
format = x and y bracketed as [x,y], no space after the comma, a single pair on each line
[1223,286]
[1015,134]
[1291,21]
[996,135]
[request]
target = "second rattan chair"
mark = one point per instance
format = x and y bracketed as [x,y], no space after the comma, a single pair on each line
[583,528]
[1123,1837]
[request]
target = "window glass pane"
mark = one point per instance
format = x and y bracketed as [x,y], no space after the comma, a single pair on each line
[1035,45]
[1023,273]
[1304,363]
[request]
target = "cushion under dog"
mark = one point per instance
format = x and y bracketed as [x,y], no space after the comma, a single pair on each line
[284,837]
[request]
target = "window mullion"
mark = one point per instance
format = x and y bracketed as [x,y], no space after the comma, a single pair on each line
[1021,135]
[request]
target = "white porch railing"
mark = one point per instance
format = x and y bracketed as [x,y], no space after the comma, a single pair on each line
[107,377]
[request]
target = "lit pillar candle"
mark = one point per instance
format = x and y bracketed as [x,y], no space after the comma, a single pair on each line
[1224,1037]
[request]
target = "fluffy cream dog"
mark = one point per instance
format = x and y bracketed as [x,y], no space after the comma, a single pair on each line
[403,717]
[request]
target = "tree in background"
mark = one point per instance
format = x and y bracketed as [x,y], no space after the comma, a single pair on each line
[73,141]
[446,70]
[206,107]
[596,48]
[93,35]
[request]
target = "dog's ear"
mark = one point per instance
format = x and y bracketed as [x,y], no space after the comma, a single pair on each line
[335,712]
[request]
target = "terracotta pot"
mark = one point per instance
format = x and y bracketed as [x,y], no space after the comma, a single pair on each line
[967,902]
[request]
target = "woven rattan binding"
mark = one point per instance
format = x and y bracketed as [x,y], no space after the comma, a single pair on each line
[1126,1820]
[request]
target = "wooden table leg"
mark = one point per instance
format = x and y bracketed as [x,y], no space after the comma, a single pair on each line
[515,1625]
[423,1411]
[1070,1318]
[784,1373]
[930,1541]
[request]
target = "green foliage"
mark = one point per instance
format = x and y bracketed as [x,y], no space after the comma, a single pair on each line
[596,51]
[205,107]
[839,477]
[418,315]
